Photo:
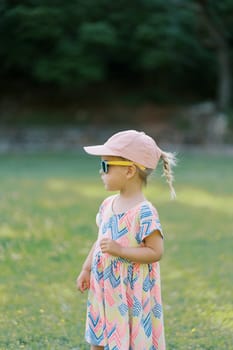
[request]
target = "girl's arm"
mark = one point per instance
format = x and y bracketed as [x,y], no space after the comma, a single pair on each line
[87,263]
[83,280]
[150,252]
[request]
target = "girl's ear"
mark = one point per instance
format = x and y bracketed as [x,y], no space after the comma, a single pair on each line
[131,170]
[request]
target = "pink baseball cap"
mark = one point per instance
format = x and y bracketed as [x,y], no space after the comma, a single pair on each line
[132,145]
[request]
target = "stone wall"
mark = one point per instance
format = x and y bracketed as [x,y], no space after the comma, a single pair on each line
[198,125]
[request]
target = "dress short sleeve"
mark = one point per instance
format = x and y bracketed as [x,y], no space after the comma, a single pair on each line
[148,221]
[97,219]
[99,215]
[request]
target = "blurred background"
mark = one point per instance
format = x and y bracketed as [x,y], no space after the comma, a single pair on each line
[72,72]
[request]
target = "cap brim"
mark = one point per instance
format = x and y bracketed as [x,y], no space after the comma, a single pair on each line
[100,150]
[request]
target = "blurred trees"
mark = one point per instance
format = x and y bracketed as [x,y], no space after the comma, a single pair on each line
[181,44]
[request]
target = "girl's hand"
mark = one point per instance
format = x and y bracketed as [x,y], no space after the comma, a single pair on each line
[110,246]
[83,280]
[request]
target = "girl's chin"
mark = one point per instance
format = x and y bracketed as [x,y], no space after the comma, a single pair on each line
[107,188]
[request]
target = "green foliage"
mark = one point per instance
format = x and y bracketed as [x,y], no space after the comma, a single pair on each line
[47,222]
[78,42]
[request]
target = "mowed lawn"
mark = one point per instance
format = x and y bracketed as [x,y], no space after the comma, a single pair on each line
[48,205]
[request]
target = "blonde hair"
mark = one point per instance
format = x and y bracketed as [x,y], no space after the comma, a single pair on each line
[144,174]
[169,161]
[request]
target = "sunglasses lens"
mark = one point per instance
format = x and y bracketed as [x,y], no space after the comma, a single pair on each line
[104,167]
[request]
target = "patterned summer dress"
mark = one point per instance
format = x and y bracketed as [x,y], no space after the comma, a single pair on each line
[124,309]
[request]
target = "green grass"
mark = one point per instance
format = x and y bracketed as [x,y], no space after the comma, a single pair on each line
[47,225]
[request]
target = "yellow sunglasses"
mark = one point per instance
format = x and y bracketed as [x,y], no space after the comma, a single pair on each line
[105,164]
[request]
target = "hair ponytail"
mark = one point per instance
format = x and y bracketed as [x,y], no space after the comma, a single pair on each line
[169,161]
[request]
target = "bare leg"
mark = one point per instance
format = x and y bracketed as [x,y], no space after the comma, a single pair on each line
[95,347]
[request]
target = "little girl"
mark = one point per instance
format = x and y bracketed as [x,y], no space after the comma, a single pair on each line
[124,309]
